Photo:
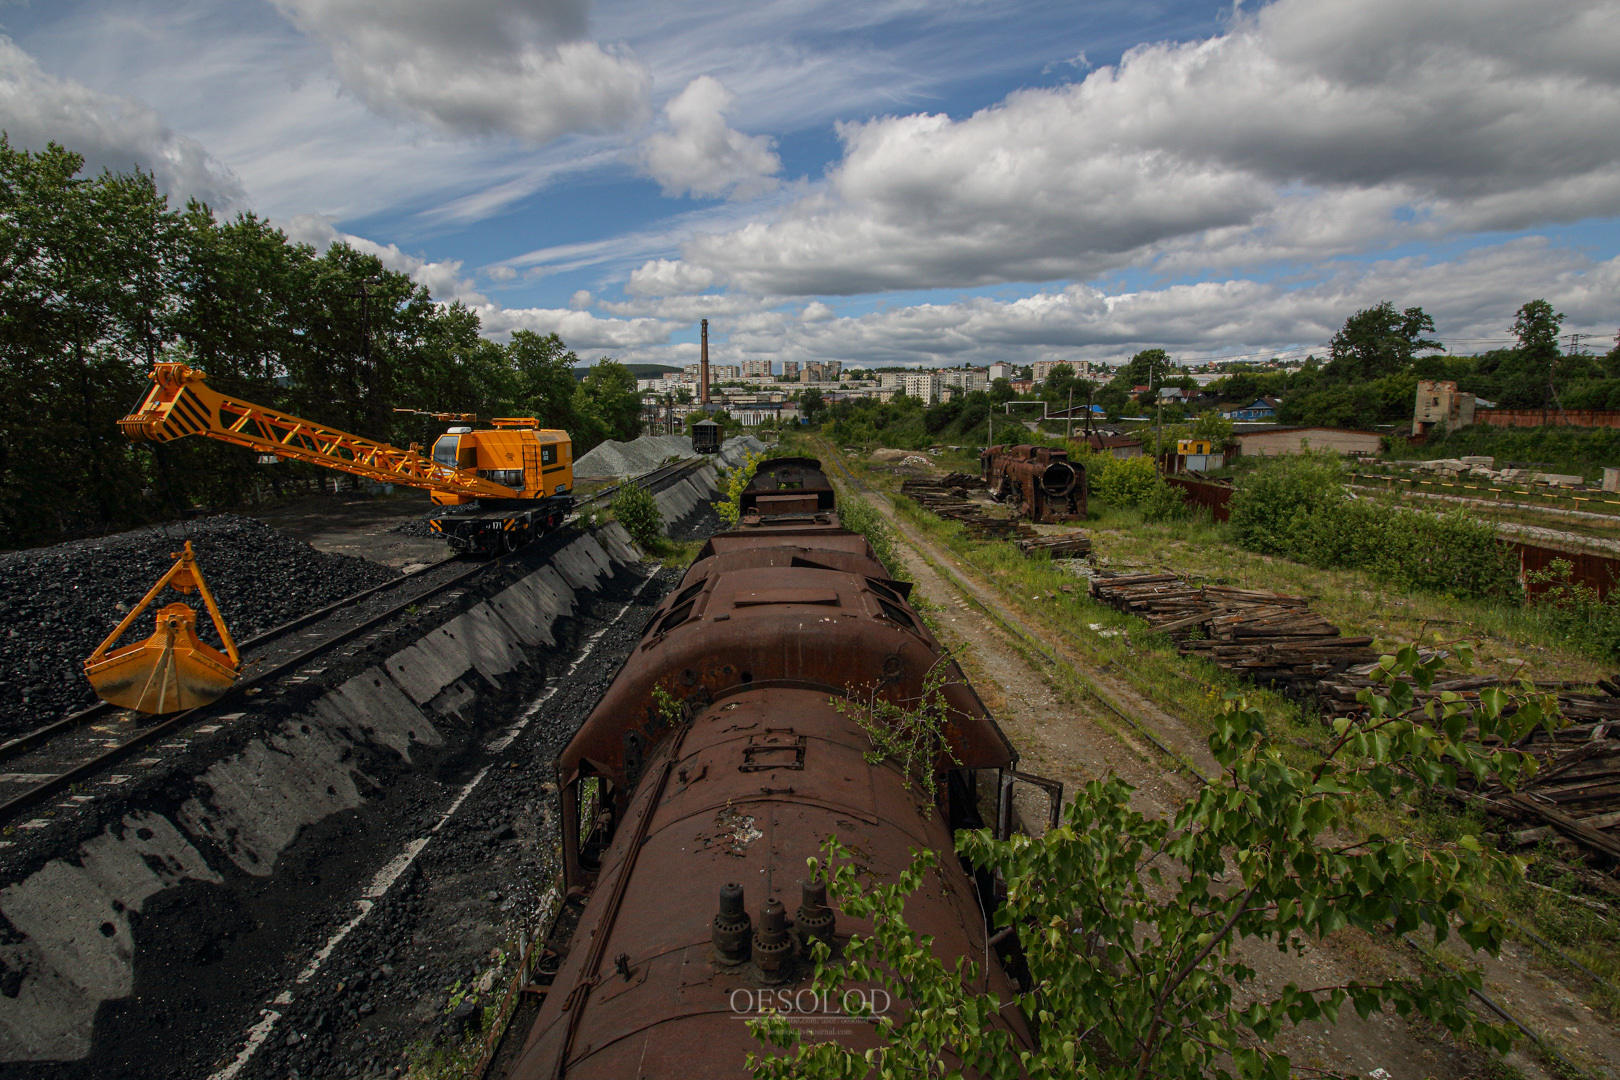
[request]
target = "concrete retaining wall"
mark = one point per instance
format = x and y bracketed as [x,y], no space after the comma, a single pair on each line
[680,499]
[73,949]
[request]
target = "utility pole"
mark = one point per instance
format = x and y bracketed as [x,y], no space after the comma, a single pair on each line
[1068,429]
[1158,440]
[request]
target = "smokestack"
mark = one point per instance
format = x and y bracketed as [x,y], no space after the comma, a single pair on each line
[703,367]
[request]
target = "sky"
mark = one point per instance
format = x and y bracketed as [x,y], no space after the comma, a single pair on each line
[891,182]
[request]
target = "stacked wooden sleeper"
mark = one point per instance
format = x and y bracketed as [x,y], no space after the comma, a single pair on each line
[1265,636]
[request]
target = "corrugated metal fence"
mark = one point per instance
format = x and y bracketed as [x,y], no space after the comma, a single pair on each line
[1600,572]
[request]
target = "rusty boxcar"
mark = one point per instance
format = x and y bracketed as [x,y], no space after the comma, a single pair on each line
[716,763]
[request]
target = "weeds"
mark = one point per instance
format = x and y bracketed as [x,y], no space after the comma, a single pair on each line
[912,735]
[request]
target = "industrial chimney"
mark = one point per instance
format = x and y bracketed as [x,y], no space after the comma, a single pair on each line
[703,367]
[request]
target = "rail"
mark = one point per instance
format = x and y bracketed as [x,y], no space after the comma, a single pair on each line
[1030,640]
[44,789]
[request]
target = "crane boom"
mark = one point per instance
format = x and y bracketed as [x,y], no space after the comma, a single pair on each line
[181,403]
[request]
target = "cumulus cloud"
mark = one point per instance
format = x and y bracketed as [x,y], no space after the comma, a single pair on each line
[442,279]
[110,132]
[667,277]
[1472,298]
[1305,130]
[701,155]
[515,67]
[582,331]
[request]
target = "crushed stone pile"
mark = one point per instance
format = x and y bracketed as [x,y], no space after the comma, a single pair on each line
[736,448]
[614,459]
[58,603]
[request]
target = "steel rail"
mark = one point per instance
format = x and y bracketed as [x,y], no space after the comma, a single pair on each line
[45,789]
[1012,626]
[27,741]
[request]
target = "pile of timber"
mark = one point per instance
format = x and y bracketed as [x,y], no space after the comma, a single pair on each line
[1266,637]
[1574,796]
[947,497]
[1060,546]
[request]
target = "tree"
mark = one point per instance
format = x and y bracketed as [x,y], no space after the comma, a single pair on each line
[811,404]
[1146,368]
[608,396]
[1378,341]
[544,367]
[1127,925]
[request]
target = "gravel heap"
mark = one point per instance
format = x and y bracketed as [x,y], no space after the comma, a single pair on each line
[615,459]
[58,603]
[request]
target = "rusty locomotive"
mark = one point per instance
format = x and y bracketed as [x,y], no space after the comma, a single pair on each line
[1041,481]
[716,763]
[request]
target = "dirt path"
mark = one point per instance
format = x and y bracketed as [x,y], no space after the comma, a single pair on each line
[1055,709]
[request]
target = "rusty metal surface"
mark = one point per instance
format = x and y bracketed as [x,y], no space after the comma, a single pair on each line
[804,609]
[743,794]
[1044,485]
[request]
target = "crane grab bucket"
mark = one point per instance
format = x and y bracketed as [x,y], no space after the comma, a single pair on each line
[173,669]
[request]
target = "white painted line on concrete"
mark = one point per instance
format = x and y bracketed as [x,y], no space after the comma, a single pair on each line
[381,882]
[324,951]
[391,872]
[385,878]
[495,746]
[256,1036]
[466,791]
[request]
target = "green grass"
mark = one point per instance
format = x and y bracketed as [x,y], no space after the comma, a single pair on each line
[1195,690]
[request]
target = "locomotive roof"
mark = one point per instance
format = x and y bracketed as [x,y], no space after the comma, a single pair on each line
[802,609]
[744,795]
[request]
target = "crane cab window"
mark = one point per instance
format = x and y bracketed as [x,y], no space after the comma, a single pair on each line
[444,451]
[454,452]
[548,454]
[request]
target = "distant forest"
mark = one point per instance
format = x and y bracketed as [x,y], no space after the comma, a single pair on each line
[100,278]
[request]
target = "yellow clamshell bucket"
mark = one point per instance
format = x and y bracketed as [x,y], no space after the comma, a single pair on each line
[173,669]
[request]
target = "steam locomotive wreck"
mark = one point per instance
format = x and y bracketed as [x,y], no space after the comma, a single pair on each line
[717,763]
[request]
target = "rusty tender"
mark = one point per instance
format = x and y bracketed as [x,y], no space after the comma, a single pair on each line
[1043,483]
[716,763]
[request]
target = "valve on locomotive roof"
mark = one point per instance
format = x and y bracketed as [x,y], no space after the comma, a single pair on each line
[814,919]
[773,945]
[732,928]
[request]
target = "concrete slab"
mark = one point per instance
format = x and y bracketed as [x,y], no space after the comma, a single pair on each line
[73,942]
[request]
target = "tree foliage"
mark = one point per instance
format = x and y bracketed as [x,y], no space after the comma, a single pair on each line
[100,278]
[1130,925]
[635,508]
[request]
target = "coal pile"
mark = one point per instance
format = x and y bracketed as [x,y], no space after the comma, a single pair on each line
[417,528]
[58,603]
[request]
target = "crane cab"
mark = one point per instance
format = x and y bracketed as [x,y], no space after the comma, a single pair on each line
[536,463]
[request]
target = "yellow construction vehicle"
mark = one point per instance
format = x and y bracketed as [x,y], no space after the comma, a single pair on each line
[500,486]
[173,669]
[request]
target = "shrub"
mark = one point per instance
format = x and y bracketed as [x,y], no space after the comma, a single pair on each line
[1273,504]
[857,515]
[1129,925]
[1575,611]
[1298,507]
[1135,481]
[635,509]
[737,481]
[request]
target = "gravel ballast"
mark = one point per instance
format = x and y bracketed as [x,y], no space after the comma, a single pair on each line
[58,603]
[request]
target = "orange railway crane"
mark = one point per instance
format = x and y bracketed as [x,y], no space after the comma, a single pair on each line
[500,486]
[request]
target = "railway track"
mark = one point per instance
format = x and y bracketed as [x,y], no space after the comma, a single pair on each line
[42,763]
